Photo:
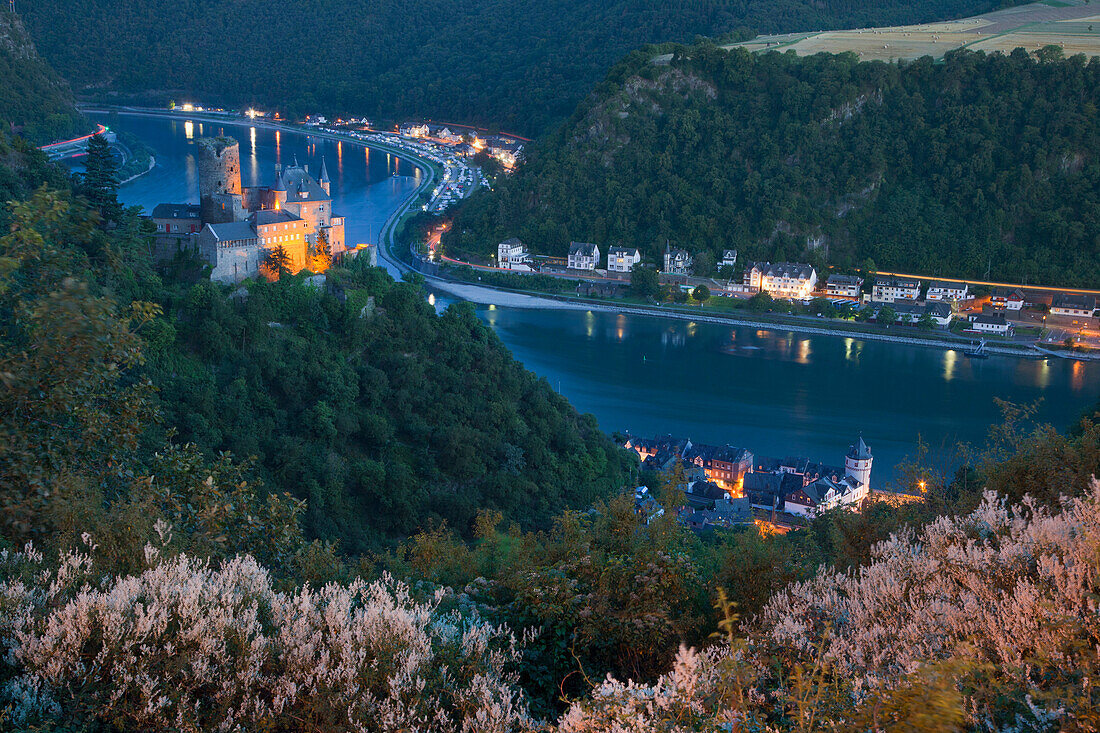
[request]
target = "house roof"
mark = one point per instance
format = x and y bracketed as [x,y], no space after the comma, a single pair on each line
[1074,301]
[896,282]
[845,279]
[176,211]
[1008,293]
[992,319]
[584,249]
[623,251]
[791,270]
[512,242]
[945,285]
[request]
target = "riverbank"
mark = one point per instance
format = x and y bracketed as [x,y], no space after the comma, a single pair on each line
[422,164]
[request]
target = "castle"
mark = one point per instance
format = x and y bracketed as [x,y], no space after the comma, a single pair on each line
[235,229]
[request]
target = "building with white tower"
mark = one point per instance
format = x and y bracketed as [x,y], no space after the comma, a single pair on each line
[857,463]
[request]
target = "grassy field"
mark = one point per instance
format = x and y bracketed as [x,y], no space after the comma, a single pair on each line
[1071,24]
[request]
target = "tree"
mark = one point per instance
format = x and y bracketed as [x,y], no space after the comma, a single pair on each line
[99,182]
[644,281]
[761,302]
[276,262]
[726,272]
[701,293]
[865,313]
[925,322]
[886,315]
[320,256]
[907,319]
[703,264]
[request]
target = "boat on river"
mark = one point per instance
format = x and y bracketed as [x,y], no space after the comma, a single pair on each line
[979,352]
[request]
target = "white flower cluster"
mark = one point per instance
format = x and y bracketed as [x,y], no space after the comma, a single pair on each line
[190,646]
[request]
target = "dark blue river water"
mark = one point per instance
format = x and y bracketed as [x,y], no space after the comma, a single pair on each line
[774,392]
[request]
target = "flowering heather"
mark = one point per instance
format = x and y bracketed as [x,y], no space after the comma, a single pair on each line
[190,646]
[990,620]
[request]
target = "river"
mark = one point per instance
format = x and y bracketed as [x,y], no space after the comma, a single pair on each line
[771,391]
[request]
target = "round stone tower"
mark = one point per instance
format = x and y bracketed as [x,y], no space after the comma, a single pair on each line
[857,463]
[219,178]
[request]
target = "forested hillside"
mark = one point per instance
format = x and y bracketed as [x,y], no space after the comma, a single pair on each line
[978,165]
[523,66]
[34,100]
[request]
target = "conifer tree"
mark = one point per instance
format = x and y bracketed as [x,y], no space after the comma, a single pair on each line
[320,257]
[99,183]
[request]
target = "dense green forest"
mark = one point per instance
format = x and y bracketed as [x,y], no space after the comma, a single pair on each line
[521,66]
[34,100]
[978,165]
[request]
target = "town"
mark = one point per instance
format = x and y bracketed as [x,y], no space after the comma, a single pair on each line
[1045,316]
[727,486]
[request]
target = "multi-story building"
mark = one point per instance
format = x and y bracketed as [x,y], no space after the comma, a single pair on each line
[1007,298]
[890,289]
[622,259]
[844,286]
[512,254]
[1072,304]
[677,261]
[583,256]
[782,279]
[729,257]
[944,290]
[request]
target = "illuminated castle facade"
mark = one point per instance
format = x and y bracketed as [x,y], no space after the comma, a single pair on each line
[239,227]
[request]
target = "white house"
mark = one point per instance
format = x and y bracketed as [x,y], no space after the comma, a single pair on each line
[993,323]
[843,286]
[729,257]
[583,256]
[825,494]
[943,290]
[677,261]
[940,313]
[782,279]
[1007,298]
[512,254]
[890,289]
[622,259]
[1071,304]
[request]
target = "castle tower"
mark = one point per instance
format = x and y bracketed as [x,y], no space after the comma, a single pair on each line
[857,463]
[279,189]
[324,180]
[220,197]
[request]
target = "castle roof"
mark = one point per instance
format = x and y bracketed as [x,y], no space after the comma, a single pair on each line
[859,451]
[271,216]
[232,231]
[324,172]
[301,186]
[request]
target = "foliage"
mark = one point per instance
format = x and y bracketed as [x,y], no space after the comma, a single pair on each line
[231,652]
[977,166]
[476,62]
[384,419]
[700,294]
[99,182]
[644,281]
[34,100]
